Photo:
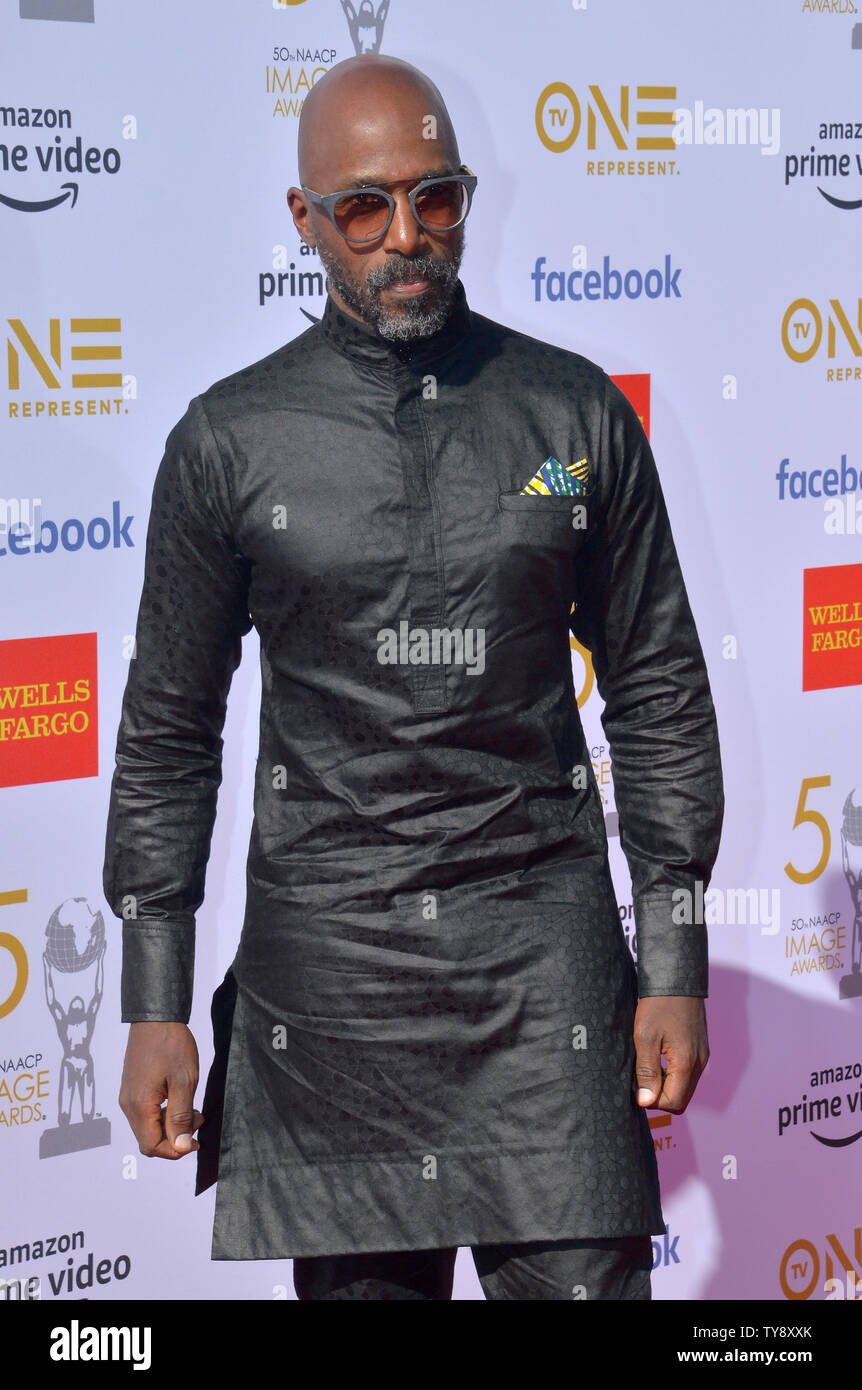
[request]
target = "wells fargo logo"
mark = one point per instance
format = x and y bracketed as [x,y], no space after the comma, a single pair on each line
[635,385]
[65,359]
[832,627]
[626,119]
[802,1272]
[802,335]
[48,709]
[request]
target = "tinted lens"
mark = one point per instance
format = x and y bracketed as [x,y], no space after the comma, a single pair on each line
[361,215]
[443,204]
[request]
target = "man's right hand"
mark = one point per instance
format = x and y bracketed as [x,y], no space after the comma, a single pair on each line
[161,1065]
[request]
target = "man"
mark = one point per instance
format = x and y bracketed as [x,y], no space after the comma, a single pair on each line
[430,1036]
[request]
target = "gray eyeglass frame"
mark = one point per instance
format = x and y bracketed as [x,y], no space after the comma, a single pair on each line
[327,201]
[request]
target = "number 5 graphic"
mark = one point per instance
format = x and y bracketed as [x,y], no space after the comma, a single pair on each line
[19,956]
[818,819]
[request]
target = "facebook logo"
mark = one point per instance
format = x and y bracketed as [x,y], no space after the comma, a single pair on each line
[664,1251]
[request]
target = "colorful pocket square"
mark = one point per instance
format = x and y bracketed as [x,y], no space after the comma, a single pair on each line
[571,479]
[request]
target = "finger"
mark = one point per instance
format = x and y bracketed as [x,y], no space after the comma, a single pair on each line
[186,1142]
[180,1117]
[648,1073]
[680,1079]
[147,1126]
[164,1148]
[149,1130]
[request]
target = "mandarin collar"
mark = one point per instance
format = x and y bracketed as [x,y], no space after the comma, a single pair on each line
[362,342]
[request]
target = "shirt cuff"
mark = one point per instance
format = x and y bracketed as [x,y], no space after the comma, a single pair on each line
[158,972]
[672,954]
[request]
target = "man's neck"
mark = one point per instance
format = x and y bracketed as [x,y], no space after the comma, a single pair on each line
[351,334]
[344,306]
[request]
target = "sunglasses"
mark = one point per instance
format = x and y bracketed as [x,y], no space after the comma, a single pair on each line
[364,214]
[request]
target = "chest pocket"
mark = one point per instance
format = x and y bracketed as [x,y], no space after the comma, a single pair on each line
[552,517]
[547,503]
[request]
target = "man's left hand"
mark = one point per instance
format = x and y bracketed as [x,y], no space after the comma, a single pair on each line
[673,1026]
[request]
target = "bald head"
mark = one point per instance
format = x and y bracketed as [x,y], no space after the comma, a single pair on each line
[366,116]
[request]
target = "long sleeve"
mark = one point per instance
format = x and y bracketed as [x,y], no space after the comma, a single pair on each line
[632,613]
[192,616]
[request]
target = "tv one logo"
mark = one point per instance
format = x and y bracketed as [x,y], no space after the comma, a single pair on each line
[802,1272]
[66,356]
[559,117]
[806,329]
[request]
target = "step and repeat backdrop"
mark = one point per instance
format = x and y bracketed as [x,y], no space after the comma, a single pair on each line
[674,191]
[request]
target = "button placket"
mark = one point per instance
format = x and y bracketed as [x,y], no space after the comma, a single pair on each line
[426,583]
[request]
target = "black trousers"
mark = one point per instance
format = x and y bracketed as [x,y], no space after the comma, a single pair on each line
[610,1269]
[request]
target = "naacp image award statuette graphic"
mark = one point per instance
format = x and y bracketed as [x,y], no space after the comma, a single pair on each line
[73,962]
[366,24]
[850,986]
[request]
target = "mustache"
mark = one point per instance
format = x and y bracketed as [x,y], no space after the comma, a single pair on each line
[433,268]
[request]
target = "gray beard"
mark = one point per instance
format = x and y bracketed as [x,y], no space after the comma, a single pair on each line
[420,316]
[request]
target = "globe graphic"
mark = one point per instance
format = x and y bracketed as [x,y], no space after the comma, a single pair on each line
[75,935]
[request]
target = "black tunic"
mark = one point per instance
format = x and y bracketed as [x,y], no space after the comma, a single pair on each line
[427,1028]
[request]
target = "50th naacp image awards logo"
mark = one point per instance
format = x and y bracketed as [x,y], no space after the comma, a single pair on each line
[81,10]
[73,962]
[823,939]
[297,65]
